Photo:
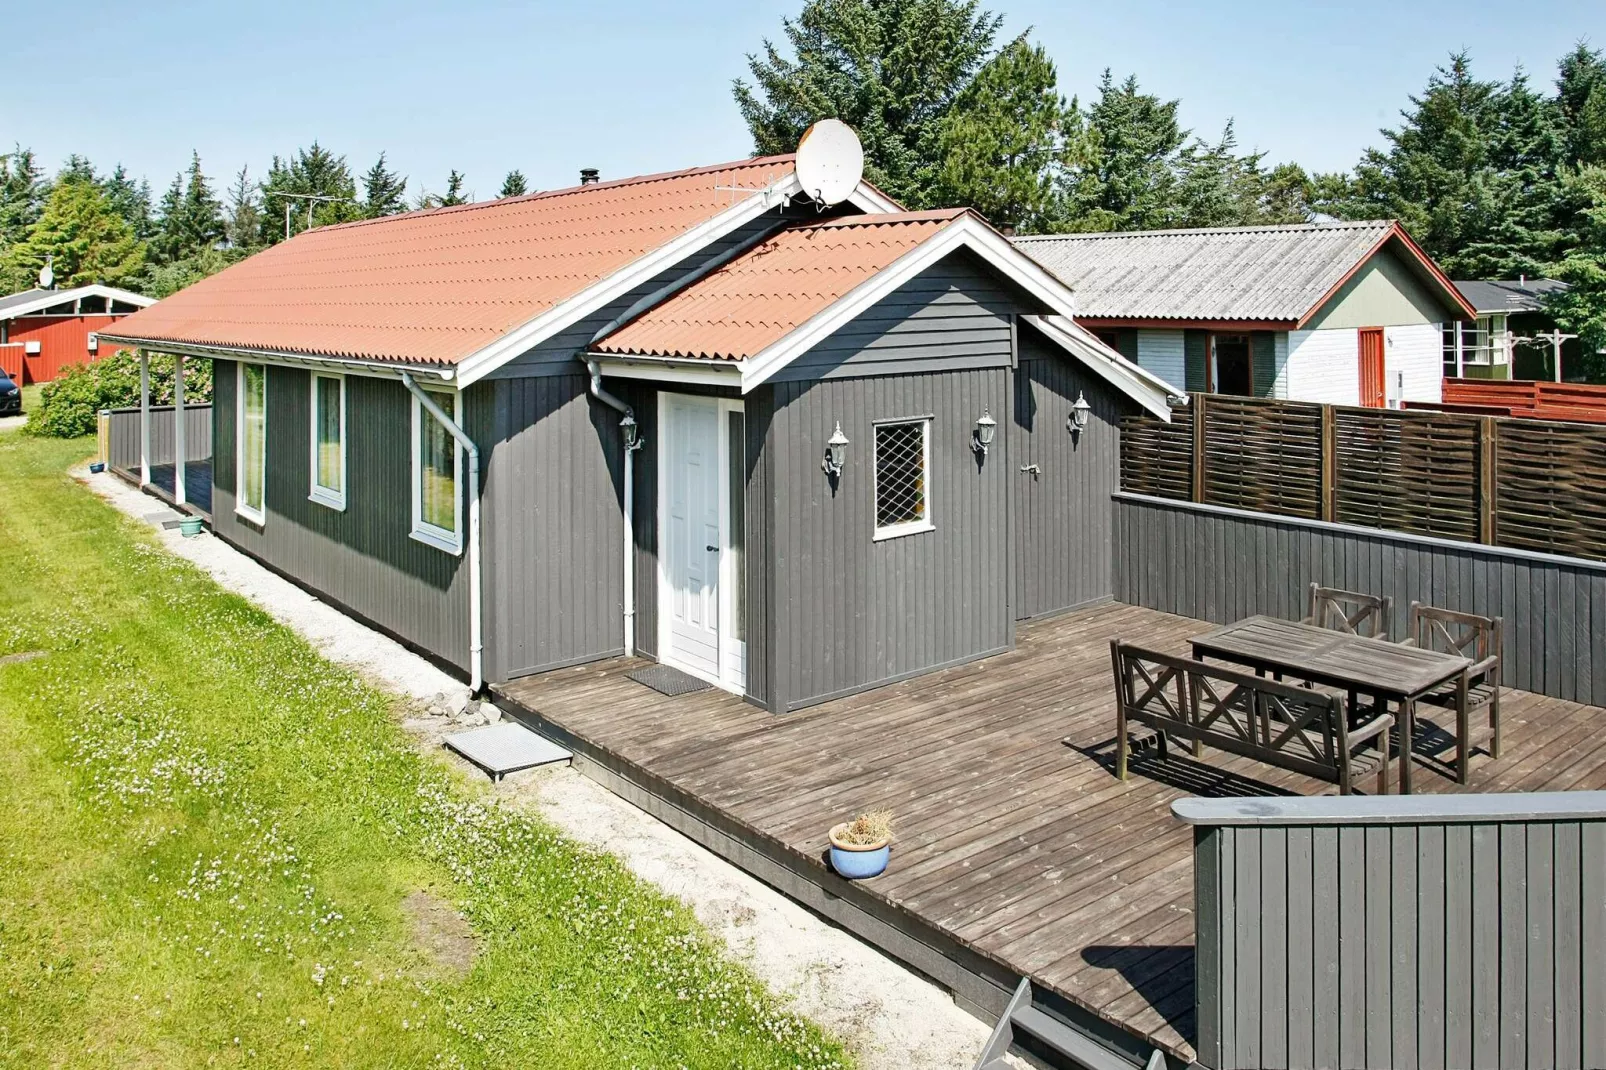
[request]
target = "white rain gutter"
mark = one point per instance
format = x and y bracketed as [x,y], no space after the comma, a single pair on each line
[629,502]
[476,645]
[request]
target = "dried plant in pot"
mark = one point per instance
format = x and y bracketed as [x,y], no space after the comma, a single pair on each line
[861,848]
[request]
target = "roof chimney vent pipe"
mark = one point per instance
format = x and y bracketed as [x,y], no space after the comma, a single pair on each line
[588,175]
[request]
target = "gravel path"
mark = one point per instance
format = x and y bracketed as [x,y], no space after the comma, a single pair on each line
[889,1017]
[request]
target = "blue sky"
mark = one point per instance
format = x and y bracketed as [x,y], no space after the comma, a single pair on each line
[634,87]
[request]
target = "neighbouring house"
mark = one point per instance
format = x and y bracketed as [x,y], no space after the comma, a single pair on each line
[794,450]
[1340,313]
[45,331]
[1506,341]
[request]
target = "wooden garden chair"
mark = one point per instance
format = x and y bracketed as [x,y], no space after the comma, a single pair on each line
[1350,611]
[1479,640]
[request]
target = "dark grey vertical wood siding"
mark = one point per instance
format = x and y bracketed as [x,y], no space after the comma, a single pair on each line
[1431,945]
[1061,517]
[122,447]
[849,612]
[761,526]
[1223,565]
[954,315]
[1263,362]
[554,527]
[1196,358]
[362,558]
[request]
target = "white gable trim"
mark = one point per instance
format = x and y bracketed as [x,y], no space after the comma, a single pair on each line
[662,370]
[1137,383]
[520,340]
[61,297]
[968,232]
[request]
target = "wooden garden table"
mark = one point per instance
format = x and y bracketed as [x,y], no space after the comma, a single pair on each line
[1391,672]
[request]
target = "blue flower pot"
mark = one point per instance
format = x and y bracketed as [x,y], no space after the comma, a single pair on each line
[190,526]
[858,863]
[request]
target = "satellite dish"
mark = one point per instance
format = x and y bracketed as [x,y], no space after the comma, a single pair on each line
[47,276]
[830,161]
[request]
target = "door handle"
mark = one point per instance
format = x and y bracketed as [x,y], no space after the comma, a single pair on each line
[1032,468]
[712,549]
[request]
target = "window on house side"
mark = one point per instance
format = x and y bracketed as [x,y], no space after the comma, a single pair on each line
[436,463]
[251,417]
[329,440]
[902,492]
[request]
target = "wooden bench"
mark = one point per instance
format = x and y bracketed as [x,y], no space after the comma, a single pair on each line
[1295,728]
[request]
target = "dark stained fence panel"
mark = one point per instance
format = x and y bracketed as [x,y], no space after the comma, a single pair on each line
[122,445]
[1157,457]
[1263,457]
[1552,494]
[1415,472]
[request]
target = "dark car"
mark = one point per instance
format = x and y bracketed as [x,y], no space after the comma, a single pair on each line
[10,397]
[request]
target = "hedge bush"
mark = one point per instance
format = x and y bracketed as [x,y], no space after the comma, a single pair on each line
[68,406]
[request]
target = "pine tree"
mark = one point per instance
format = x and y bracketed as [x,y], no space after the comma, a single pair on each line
[190,220]
[384,192]
[1581,310]
[242,220]
[1002,142]
[454,190]
[132,200]
[513,185]
[315,171]
[891,69]
[85,237]
[1581,98]
[22,195]
[1128,175]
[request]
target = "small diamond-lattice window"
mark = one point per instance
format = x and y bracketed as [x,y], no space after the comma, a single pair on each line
[901,502]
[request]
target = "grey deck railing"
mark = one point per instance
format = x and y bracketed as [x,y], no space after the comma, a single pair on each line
[122,436]
[1401,932]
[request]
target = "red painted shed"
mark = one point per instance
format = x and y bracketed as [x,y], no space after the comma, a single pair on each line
[44,331]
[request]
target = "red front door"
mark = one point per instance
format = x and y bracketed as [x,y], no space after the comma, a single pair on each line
[1372,367]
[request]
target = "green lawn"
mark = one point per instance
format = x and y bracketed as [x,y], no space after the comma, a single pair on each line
[207,835]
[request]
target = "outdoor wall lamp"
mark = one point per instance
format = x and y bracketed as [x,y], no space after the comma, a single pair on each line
[630,431]
[1076,423]
[836,451]
[986,427]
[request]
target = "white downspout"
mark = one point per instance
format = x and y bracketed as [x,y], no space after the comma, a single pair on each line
[476,645]
[144,418]
[629,503]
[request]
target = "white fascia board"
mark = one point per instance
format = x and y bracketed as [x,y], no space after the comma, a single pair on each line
[965,232]
[659,369]
[347,366]
[1137,383]
[872,201]
[61,297]
[482,362]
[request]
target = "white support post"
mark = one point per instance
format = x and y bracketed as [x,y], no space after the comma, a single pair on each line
[1460,352]
[178,429]
[144,418]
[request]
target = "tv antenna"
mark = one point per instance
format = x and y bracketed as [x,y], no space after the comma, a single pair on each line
[312,199]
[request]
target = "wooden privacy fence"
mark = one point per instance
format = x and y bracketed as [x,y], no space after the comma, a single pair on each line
[1529,484]
[120,435]
[1579,402]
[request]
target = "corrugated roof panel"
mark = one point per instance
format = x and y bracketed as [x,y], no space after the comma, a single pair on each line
[761,296]
[1232,273]
[436,286]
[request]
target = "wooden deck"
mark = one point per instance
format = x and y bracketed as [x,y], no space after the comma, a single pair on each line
[1015,841]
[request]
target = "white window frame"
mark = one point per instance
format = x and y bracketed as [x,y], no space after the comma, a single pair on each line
[429,534]
[333,499]
[254,515]
[908,527]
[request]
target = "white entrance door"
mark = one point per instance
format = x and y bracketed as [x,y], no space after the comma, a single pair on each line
[693,536]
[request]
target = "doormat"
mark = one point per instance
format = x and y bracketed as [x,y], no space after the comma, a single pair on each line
[668,681]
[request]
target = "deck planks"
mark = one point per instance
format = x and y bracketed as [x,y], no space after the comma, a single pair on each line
[1014,837]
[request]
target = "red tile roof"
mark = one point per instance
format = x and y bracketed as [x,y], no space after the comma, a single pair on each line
[436,286]
[774,288]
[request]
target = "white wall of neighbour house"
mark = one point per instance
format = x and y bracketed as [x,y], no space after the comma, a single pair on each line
[1161,353]
[1413,363]
[1323,366]
[1279,383]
